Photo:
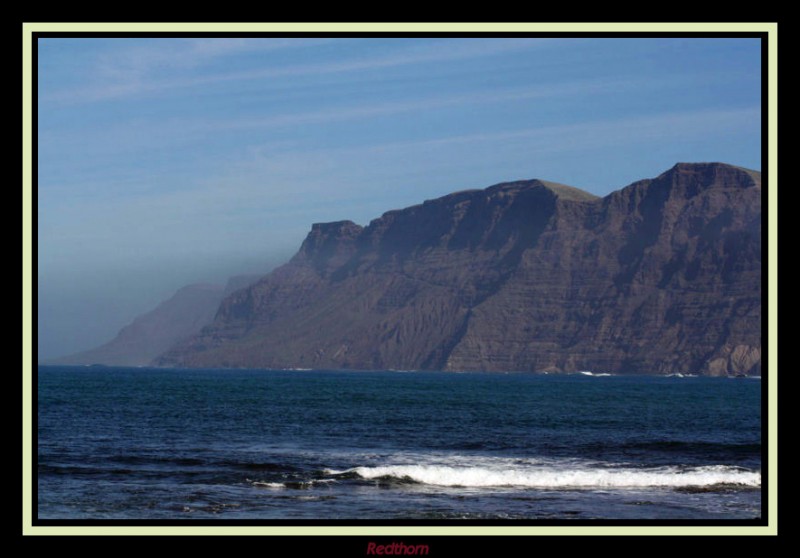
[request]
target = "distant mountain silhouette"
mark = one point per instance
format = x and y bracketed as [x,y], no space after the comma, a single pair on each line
[150,334]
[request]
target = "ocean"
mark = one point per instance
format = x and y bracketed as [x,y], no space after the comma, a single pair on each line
[296,446]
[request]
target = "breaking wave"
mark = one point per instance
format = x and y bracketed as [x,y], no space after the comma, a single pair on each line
[675,477]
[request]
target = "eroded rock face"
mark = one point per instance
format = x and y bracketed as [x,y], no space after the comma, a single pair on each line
[663,276]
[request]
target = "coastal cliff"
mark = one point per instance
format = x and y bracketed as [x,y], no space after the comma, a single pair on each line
[662,276]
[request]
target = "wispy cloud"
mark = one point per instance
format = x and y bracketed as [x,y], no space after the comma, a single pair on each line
[331,114]
[142,61]
[131,136]
[598,133]
[279,175]
[629,129]
[141,70]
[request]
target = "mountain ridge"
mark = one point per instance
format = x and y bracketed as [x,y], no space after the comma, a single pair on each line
[662,276]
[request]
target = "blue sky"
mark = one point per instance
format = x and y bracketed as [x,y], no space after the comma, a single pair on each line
[164,162]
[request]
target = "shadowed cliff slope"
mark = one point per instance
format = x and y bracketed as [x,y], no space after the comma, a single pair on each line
[662,276]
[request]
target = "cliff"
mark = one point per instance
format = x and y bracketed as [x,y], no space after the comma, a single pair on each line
[662,276]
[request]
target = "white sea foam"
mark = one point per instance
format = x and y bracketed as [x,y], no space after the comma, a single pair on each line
[291,484]
[261,484]
[548,477]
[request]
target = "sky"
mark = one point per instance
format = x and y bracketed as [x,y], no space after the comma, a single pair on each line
[164,162]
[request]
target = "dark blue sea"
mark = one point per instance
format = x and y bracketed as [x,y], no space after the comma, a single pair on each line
[158,444]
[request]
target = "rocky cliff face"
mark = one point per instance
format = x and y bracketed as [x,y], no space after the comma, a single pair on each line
[663,276]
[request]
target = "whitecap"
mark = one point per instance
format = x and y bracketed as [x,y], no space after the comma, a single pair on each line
[261,484]
[550,477]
